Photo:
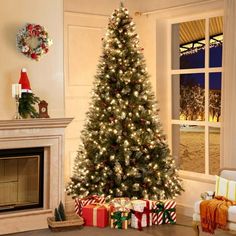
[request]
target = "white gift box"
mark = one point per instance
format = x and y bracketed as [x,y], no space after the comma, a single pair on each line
[139,206]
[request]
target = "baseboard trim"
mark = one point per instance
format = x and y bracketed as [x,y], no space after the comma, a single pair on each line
[184,209]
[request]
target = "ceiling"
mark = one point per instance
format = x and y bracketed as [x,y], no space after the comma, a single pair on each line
[195,30]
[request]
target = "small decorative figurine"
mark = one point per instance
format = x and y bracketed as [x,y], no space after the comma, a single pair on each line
[43,109]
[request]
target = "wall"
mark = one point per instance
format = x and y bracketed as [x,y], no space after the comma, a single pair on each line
[151,5]
[46,75]
[106,6]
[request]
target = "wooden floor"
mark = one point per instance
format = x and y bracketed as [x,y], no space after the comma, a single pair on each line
[182,228]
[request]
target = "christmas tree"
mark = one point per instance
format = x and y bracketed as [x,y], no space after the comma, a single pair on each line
[123,150]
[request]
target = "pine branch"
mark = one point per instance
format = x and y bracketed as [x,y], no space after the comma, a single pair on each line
[26,105]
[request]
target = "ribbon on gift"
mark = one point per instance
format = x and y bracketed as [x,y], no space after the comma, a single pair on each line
[119,218]
[160,208]
[139,216]
[95,214]
[95,209]
[121,204]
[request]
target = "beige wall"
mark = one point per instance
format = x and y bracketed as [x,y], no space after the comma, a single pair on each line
[107,6]
[46,76]
[103,7]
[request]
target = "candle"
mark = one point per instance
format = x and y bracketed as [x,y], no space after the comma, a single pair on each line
[16,90]
[19,90]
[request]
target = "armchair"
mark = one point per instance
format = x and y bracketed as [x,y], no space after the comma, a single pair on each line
[229,174]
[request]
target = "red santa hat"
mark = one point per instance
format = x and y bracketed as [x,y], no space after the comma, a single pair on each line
[24,81]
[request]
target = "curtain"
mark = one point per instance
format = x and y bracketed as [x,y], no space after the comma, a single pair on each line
[228,130]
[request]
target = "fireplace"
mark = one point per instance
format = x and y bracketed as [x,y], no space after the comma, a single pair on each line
[21,179]
[31,172]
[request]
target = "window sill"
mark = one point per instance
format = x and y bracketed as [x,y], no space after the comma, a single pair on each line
[197,177]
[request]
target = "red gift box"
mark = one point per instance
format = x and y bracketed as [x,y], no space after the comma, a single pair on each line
[81,202]
[95,215]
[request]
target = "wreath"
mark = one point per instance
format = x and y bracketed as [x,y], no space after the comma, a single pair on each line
[32,40]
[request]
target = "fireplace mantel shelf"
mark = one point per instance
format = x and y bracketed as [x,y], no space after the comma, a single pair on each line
[35,123]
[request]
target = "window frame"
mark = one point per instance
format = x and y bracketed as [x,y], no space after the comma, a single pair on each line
[206,70]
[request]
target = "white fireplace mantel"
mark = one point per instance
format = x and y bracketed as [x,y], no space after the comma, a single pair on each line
[26,133]
[35,123]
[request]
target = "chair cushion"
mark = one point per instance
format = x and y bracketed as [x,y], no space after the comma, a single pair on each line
[231,211]
[226,188]
[221,187]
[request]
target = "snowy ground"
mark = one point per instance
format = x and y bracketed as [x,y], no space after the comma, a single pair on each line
[192,150]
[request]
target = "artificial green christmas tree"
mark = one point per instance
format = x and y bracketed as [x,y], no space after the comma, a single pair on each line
[123,150]
[61,211]
[57,215]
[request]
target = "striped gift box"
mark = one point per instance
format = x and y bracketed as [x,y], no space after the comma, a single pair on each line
[81,202]
[164,212]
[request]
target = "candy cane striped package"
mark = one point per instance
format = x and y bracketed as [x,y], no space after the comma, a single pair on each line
[164,212]
[81,202]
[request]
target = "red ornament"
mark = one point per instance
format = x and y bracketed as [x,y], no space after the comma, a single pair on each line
[34,56]
[29,27]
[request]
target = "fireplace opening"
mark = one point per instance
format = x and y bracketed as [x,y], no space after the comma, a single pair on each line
[21,178]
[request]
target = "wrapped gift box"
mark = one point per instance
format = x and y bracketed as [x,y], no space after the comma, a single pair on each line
[141,214]
[121,204]
[81,202]
[120,220]
[96,215]
[164,212]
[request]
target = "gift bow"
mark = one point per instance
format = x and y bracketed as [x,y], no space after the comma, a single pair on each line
[92,197]
[121,204]
[97,205]
[166,212]
[139,216]
[117,216]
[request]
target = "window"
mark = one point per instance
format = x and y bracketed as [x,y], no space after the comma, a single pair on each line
[196,76]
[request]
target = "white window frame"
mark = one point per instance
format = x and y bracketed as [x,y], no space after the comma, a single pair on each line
[206,70]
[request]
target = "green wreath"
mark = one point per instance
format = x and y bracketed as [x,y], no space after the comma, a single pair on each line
[33,41]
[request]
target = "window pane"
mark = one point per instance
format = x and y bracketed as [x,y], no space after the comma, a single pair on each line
[214,150]
[216,41]
[188,96]
[188,45]
[189,147]
[214,96]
